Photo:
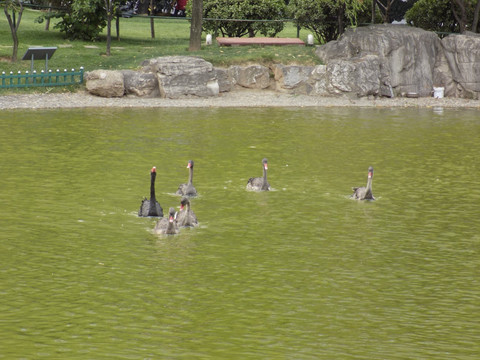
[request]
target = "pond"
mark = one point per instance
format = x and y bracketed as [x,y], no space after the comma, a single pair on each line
[299,272]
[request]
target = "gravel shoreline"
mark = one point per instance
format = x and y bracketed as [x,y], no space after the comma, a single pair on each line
[240,98]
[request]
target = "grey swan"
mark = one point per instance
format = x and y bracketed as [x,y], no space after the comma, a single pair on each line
[151,207]
[188,189]
[167,226]
[364,192]
[186,217]
[259,183]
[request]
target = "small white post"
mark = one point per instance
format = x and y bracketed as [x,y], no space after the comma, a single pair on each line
[208,39]
[310,39]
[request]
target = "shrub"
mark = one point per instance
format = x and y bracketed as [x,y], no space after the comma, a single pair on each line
[242,10]
[83,19]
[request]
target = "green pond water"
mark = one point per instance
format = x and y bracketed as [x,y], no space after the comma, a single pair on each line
[300,272]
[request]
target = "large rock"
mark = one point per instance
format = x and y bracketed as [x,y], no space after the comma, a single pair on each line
[140,84]
[105,83]
[405,58]
[462,59]
[225,82]
[183,75]
[293,78]
[251,77]
[318,81]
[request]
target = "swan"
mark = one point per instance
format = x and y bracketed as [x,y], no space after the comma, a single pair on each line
[364,192]
[151,207]
[188,189]
[259,183]
[186,216]
[167,226]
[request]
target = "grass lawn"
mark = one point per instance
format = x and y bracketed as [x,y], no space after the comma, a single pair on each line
[135,45]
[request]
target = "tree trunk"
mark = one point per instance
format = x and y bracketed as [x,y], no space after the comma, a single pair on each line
[117,27]
[109,34]
[461,15]
[109,6]
[340,15]
[386,9]
[475,17]
[196,26]
[152,23]
[14,24]
[47,21]
[374,3]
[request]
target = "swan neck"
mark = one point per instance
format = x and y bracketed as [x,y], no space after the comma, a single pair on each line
[190,176]
[152,186]
[369,185]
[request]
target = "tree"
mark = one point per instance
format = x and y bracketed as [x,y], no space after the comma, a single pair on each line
[439,15]
[82,19]
[460,8]
[475,17]
[109,9]
[11,8]
[196,26]
[242,17]
[326,18]
[385,8]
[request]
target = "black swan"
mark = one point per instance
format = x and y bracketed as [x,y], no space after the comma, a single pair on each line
[186,216]
[188,189]
[167,226]
[259,183]
[364,192]
[151,207]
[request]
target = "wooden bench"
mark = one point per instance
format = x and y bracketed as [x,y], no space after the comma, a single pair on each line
[237,41]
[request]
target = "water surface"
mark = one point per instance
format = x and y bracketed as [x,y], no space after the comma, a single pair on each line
[300,272]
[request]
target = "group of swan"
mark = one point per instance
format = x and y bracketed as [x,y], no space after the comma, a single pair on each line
[171,224]
[186,216]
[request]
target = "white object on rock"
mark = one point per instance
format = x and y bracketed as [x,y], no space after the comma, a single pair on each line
[438,92]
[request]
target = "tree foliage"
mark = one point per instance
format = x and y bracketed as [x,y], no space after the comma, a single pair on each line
[242,10]
[326,18]
[394,9]
[82,19]
[438,15]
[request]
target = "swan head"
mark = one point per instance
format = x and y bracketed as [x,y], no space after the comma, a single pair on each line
[154,169]
[370,172]
[190,164]
[171,214]
[265,163]
[184,203]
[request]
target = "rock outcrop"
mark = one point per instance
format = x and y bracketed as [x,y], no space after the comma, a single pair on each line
[382,60]
[140,83]
[462,59]
[105,83]
[394,60]
[378,60]
[250,77]
[183,75]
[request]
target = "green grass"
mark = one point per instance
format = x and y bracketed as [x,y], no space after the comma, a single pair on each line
[136,45]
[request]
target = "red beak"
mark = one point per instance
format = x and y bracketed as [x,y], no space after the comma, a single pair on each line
[154,169]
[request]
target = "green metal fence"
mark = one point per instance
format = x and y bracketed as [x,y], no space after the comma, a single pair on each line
[50,78]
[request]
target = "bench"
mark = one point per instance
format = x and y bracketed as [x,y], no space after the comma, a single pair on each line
[237,41]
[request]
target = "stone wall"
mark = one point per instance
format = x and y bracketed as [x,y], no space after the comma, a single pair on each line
[379,60]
